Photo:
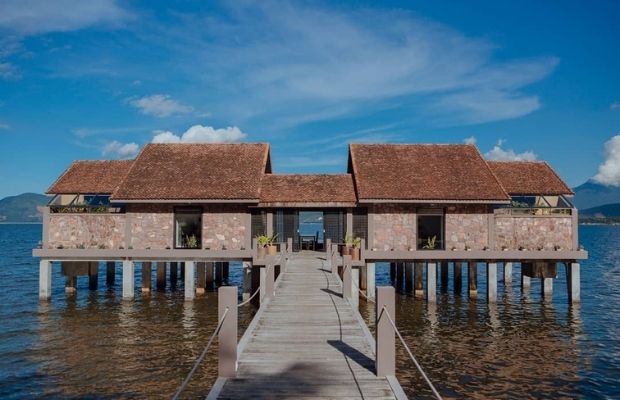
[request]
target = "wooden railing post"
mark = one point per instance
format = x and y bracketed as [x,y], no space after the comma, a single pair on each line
[289,245]
[269,284]
[328,245]
[385,363]
[347,278]
[227,337]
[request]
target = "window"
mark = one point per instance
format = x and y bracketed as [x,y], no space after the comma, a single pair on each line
[430,229]
[187,228]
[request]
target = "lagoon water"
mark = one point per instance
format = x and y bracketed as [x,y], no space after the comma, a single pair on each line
[94,345]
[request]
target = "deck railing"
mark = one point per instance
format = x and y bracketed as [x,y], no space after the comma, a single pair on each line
[534,211]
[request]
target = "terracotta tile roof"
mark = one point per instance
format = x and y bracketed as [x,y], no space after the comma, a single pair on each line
[196,172]
[529,177]
[321,188]
[91,177]
[421,172]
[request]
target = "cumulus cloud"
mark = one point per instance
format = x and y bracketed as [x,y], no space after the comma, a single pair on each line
[201,134]
[470,140]
[159,105]
[120,150]
[609,171]
[499,153]
[42,16]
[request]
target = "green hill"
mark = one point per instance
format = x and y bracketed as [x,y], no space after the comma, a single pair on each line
[608,210]
[22,208]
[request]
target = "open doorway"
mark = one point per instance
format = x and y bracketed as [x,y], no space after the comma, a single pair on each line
[311,230]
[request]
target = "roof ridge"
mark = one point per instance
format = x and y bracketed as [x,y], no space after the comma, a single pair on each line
[113,194]
[558,176]
[491,170]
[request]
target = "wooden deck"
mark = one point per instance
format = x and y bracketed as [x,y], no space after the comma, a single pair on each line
[307,342]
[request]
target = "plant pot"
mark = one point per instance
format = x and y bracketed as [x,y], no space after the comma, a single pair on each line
[272,250]
[355,254]
[346,251]
[262,251]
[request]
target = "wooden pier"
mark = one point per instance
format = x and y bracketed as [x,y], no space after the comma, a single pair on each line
[307,341]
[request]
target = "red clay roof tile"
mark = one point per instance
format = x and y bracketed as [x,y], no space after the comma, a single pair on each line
[423,172]
[195,172]
[91,177]
[529,177]
[320,188]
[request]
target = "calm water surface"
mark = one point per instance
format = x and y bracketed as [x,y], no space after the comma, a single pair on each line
[94,345]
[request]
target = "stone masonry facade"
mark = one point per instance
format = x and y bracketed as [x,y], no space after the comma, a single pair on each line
[89,231]
[152,225]
[467,226]
[533,233]
[224,227]
[394,227]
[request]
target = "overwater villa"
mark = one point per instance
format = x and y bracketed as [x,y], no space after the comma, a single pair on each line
[416,206]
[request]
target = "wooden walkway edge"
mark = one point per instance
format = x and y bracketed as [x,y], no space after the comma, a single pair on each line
[307,342]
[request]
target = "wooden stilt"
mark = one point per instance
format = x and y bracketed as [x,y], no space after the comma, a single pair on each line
[209,272]
[146,276]
[399,275]
[218,273]
[408,277]
[458,276]
[174,271]
[71,284]
[93,275]
[201,276]
[161,276]
[110,273]
[472,278]
[417,280]
[225,270]
[444,275]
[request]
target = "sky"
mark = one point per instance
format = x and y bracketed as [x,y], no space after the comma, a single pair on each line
[99,79]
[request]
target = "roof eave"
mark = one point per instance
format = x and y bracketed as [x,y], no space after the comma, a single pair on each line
[435,201]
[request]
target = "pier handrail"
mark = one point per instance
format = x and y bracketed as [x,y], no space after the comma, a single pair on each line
[385,312]
[202,356]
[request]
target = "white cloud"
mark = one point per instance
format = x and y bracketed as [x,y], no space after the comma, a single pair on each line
[615,105]
[120,150]
[319,63]
[201,134]
[159,105]
[42,16]
[8,71]
[4,126]
[609,171]
[498,153]
[470,140]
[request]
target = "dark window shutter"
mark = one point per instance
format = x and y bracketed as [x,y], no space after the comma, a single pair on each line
[259,223]
[334,223]
[360,223]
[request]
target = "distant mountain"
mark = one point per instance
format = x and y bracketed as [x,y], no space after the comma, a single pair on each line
[608,210]
[22,208]
[592,194]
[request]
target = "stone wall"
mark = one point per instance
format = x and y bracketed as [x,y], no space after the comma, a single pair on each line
[224,226]
[90,231]
[394,227]
[533,232]
[467,225]
[152,225]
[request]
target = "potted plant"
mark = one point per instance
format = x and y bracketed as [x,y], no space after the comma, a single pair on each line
[355,250]
[431,243]
[262,241]
[272,249]
[348,244]
[191,242]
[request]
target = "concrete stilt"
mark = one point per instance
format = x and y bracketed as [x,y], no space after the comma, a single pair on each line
[458,276]
[247,280]
[209,279]
[161,276]
[147,267]
[472,278]
[418,286]
[70,284]
[190,281]
[370,280]
[201,277]
[408,277]
[128,279]
[431,282]
[110,273]
[45,280]
[93,275]
[444,275]
[573,282]
[174,270]
[392,272]
[225,271]
[491,282]
[218,273]
[546,286]
[399,275]
[355,284]
[507,273]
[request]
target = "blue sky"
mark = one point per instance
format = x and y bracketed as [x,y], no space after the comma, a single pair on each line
[99,79]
